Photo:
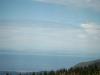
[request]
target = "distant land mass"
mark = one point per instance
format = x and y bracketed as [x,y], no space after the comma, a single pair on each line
[83,68]
[88,63]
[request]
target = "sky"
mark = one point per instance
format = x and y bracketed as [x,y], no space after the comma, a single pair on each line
[46,27]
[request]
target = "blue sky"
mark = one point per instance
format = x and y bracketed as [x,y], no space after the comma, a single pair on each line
[62,27]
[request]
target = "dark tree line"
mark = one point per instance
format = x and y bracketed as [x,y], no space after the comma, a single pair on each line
[89,70]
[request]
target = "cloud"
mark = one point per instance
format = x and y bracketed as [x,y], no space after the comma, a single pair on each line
[39,38]
[93,4]
[92,32]
[34,38]
[91,28]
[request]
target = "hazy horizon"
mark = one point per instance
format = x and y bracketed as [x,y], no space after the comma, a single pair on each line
[50,28]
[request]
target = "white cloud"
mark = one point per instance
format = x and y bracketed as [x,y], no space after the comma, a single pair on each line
[91,28]
[92,32]
[93,4]
[42,38]
[51,38]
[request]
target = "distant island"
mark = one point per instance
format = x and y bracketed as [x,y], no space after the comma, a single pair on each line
[83,68]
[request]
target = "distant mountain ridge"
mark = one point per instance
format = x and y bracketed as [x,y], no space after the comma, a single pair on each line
[88,63]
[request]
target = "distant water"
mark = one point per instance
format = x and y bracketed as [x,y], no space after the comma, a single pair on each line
[11,62]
